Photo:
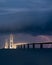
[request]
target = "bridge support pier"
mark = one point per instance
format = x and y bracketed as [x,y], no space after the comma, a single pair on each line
[41,45]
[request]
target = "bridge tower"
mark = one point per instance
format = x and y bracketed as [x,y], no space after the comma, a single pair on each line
[6,44]
[11,42]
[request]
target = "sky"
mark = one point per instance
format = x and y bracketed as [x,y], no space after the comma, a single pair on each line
[29,18]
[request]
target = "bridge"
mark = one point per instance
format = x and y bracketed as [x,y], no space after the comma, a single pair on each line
[13,45]
[36,45]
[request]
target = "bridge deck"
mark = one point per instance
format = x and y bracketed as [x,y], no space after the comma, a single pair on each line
[36,45]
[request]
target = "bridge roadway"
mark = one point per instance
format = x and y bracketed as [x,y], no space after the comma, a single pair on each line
[36,45]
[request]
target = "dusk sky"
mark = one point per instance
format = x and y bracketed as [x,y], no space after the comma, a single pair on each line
[28,20]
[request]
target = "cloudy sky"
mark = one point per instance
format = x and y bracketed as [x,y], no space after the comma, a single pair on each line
[28,20]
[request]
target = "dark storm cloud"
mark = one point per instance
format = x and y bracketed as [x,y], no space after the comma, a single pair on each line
[28,16]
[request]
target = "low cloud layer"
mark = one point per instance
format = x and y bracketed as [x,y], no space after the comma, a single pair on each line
[26,16]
